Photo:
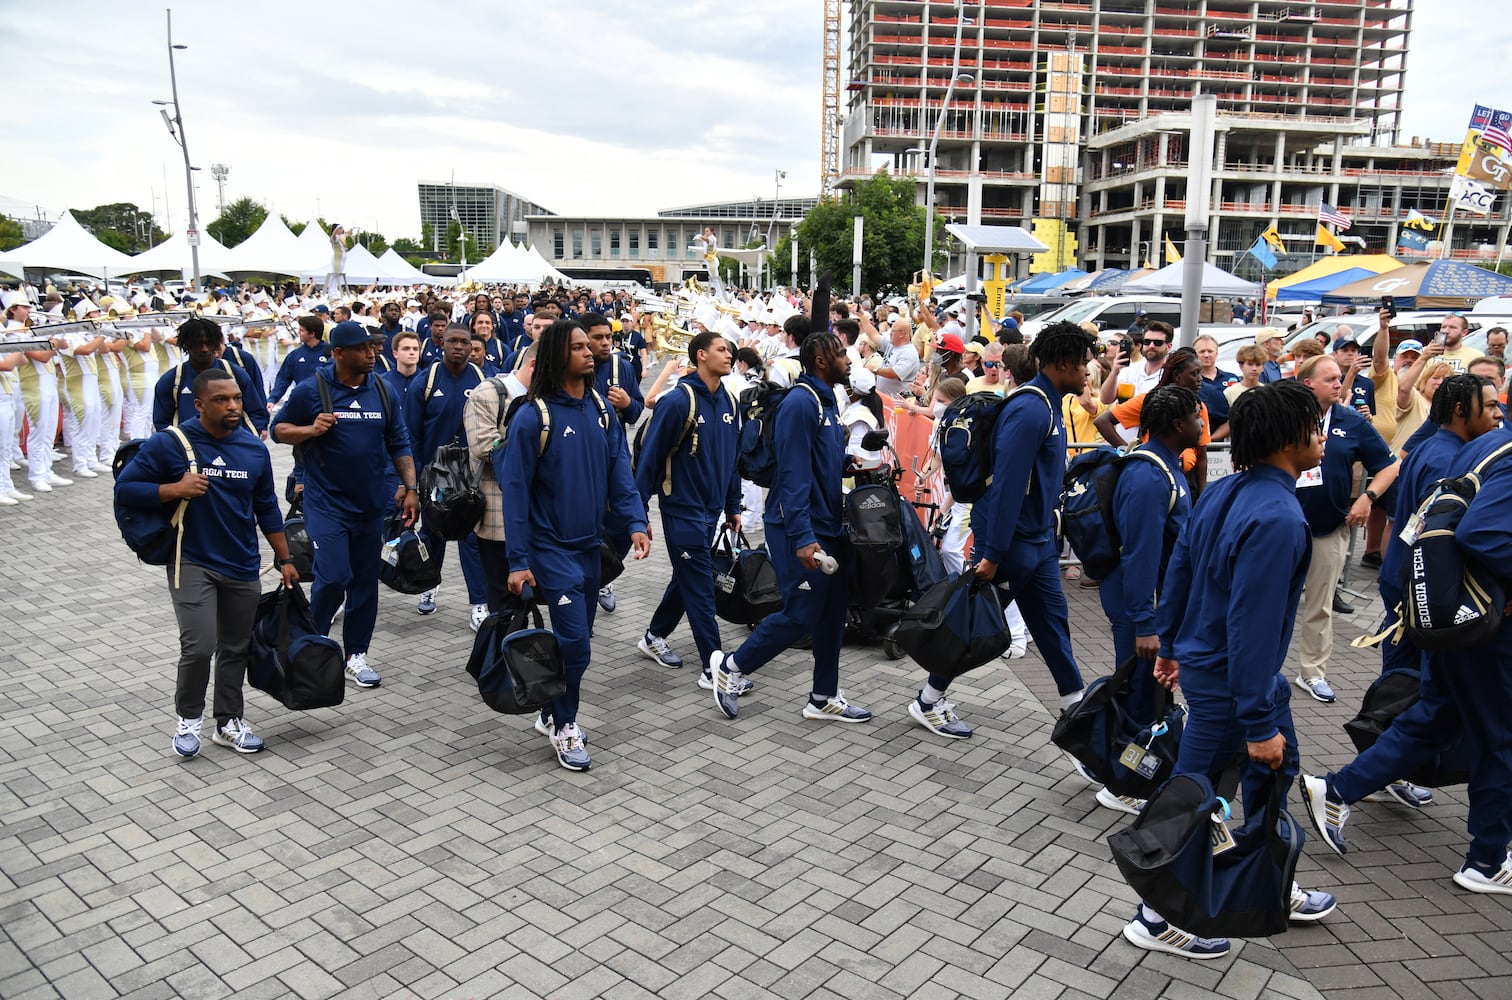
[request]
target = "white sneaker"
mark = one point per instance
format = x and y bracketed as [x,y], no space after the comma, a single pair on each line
[18,495]
[1016,651]
[479,616]
[86,473]
[361,674]
[1120,803]
[41,486]
[6,500]
[1499,881]
[58,480]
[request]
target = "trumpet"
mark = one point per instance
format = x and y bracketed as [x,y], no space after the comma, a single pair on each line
[667,337]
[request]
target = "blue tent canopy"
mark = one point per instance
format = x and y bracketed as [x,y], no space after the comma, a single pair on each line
[1110,276]
[1041,283]
[1312,291]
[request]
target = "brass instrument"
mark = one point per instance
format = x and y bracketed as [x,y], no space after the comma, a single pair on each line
[667,337]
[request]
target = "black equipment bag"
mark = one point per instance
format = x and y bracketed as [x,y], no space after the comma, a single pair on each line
[450,494]
[1202,877]
[919,555]
[1388,696]
[955,627]
[1132,756]
[288,659]
[301,548]
[611,564]
[874,526]
[407,565]
[516,660]
[745,582]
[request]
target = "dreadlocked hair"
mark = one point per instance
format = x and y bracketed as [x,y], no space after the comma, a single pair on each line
[552,351]
[1271,417]
[1164,407]
[1063,341]
[1175,361]
[199,332]
[818,343]
[1458,396]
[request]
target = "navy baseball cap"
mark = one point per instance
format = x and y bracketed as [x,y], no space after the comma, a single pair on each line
[349,334]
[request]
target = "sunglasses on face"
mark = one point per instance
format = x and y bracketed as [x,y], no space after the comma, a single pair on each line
[992,364]
[1153,343]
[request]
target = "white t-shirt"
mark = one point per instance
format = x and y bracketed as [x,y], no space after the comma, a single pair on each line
[1142,381]
[903,360]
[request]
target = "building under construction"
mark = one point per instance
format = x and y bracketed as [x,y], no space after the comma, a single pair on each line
[1071,118]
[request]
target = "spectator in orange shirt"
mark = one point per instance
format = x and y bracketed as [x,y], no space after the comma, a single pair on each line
[1182,368]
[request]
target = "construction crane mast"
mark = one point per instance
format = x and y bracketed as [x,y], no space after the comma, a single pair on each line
[829,169]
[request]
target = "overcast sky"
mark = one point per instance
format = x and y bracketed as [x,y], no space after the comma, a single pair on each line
[619,107]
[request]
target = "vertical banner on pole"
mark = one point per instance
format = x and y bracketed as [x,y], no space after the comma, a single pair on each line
[793,240]
[856,259]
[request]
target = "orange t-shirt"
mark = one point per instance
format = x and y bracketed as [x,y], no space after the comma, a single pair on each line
[1127,415]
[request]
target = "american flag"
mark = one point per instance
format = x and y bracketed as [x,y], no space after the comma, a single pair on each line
[1334,217]
[1496,132]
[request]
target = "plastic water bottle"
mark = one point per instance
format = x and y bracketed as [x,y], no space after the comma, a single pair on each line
[826,562]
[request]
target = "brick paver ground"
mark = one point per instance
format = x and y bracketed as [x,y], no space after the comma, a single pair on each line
[411,843]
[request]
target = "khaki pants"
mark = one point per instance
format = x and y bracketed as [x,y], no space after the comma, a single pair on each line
[1316,640]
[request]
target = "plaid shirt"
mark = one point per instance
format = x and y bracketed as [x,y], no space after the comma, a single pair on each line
[483,421]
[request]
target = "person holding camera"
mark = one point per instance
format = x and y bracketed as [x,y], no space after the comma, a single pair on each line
[1129,379]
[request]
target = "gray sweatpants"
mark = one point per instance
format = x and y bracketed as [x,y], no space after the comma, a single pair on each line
[215,616]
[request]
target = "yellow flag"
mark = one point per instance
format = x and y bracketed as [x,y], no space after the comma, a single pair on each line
[1172,255]
[1328,239]
[1274,239]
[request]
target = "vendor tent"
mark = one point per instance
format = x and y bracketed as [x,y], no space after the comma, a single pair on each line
[174,255]
[270,250]
[402,271]
[1312,291]
[508,265]
[315,255]
[68,246]
[1168,281]
[362,268]
[1375,263]
[547,272]
[1427,284]
[1042,283]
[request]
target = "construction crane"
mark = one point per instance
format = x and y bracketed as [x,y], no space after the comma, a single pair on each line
[829,164]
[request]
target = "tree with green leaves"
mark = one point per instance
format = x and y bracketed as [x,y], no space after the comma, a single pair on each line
[405,246]
[11,233]
[892,238]
[237,221]
[294,227]
[121,226]
[454,244]
[375,242]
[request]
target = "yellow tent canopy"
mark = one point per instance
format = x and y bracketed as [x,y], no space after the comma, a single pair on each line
[1380,263]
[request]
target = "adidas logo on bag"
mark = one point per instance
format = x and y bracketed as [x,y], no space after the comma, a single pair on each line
[872,502]
[1465,614]
[685,555]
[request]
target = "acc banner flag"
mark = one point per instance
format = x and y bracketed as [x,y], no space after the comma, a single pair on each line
[1262,252]
[1417,220]
[1471,196]
[1328,239]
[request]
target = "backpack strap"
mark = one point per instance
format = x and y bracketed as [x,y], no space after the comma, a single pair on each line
[177,520]
[383,399]
[1484,465]
[1155,461]
[545,412]
[430,384]
[690,428]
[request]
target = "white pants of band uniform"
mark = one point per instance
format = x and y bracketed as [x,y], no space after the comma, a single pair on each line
[1315,632]
[136,412]
[110,416]
[10,444]
[953,554]
[83,434]
[7,436]
[44,431]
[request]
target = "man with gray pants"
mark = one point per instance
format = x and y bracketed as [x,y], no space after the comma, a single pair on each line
[220,472]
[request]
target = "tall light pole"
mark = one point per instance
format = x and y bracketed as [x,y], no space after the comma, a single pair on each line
[220,172]
[176,129]
[776,192]
[934,142]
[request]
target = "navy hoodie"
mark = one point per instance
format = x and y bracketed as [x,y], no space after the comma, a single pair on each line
[1229,599]
[557,497]
[1142,491]
[220,528]
[618,370]
[806,497]
[705,483]
[254,402]
[299,364]
[345,468]
[1026,477]
[434,419]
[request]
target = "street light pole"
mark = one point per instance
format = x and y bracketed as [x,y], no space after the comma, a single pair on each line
[776,193]
[178,121]
[934,145]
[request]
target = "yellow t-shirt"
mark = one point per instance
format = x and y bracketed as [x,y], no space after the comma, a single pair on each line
[979,384]
[1385,419]
[1079,426]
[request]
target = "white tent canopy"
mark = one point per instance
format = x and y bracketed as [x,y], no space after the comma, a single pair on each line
[173,254]
[315,252]
[270,250]
[402,271]
[547,271]
[68,246]
[506,265]
[1167,281]
[362,268]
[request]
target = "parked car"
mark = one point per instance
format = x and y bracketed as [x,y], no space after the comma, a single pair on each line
[1109,312]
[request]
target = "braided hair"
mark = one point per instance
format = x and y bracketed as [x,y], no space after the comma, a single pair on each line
[1458,396]
[1175,361]
[1164,407]
[816,344]
[199,332]
[1063,341]
[1271,417]
[552,351]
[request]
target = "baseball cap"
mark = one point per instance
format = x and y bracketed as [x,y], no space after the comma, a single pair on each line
[950,342]
[1346,342]
[1269,333]
[349,333]
[1415,346]
[323,308]
[862,380]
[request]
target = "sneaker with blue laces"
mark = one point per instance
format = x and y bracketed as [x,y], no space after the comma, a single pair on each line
[1161,936]
[659,650]
[571,750]
[186,739]
[835,709]
[1327,812]
[1318,688]
[237,735]
[427,604]
[727,685]
[1309,906]
[360,673]
[1405,792]
[706,681]
[546,728]
[939,718]
[1476,880]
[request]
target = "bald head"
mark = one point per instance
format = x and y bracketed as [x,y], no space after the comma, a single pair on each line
[901,331]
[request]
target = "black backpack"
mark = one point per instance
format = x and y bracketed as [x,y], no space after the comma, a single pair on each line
[407,565]
[155,535]
[517,661]
[301,548]
[1449,602]
[1087,520]
[745,582]
[757,457]
[874,525]
[965,440]
[288,659]
[451,494]
[1388,696]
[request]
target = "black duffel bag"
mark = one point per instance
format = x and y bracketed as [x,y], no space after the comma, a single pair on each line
[450,494]
[1131,756]
[1388,696]
[745,582]
[956,626]
[301,549]
[288,660]
[611,564]
[516,660]
[407,564]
